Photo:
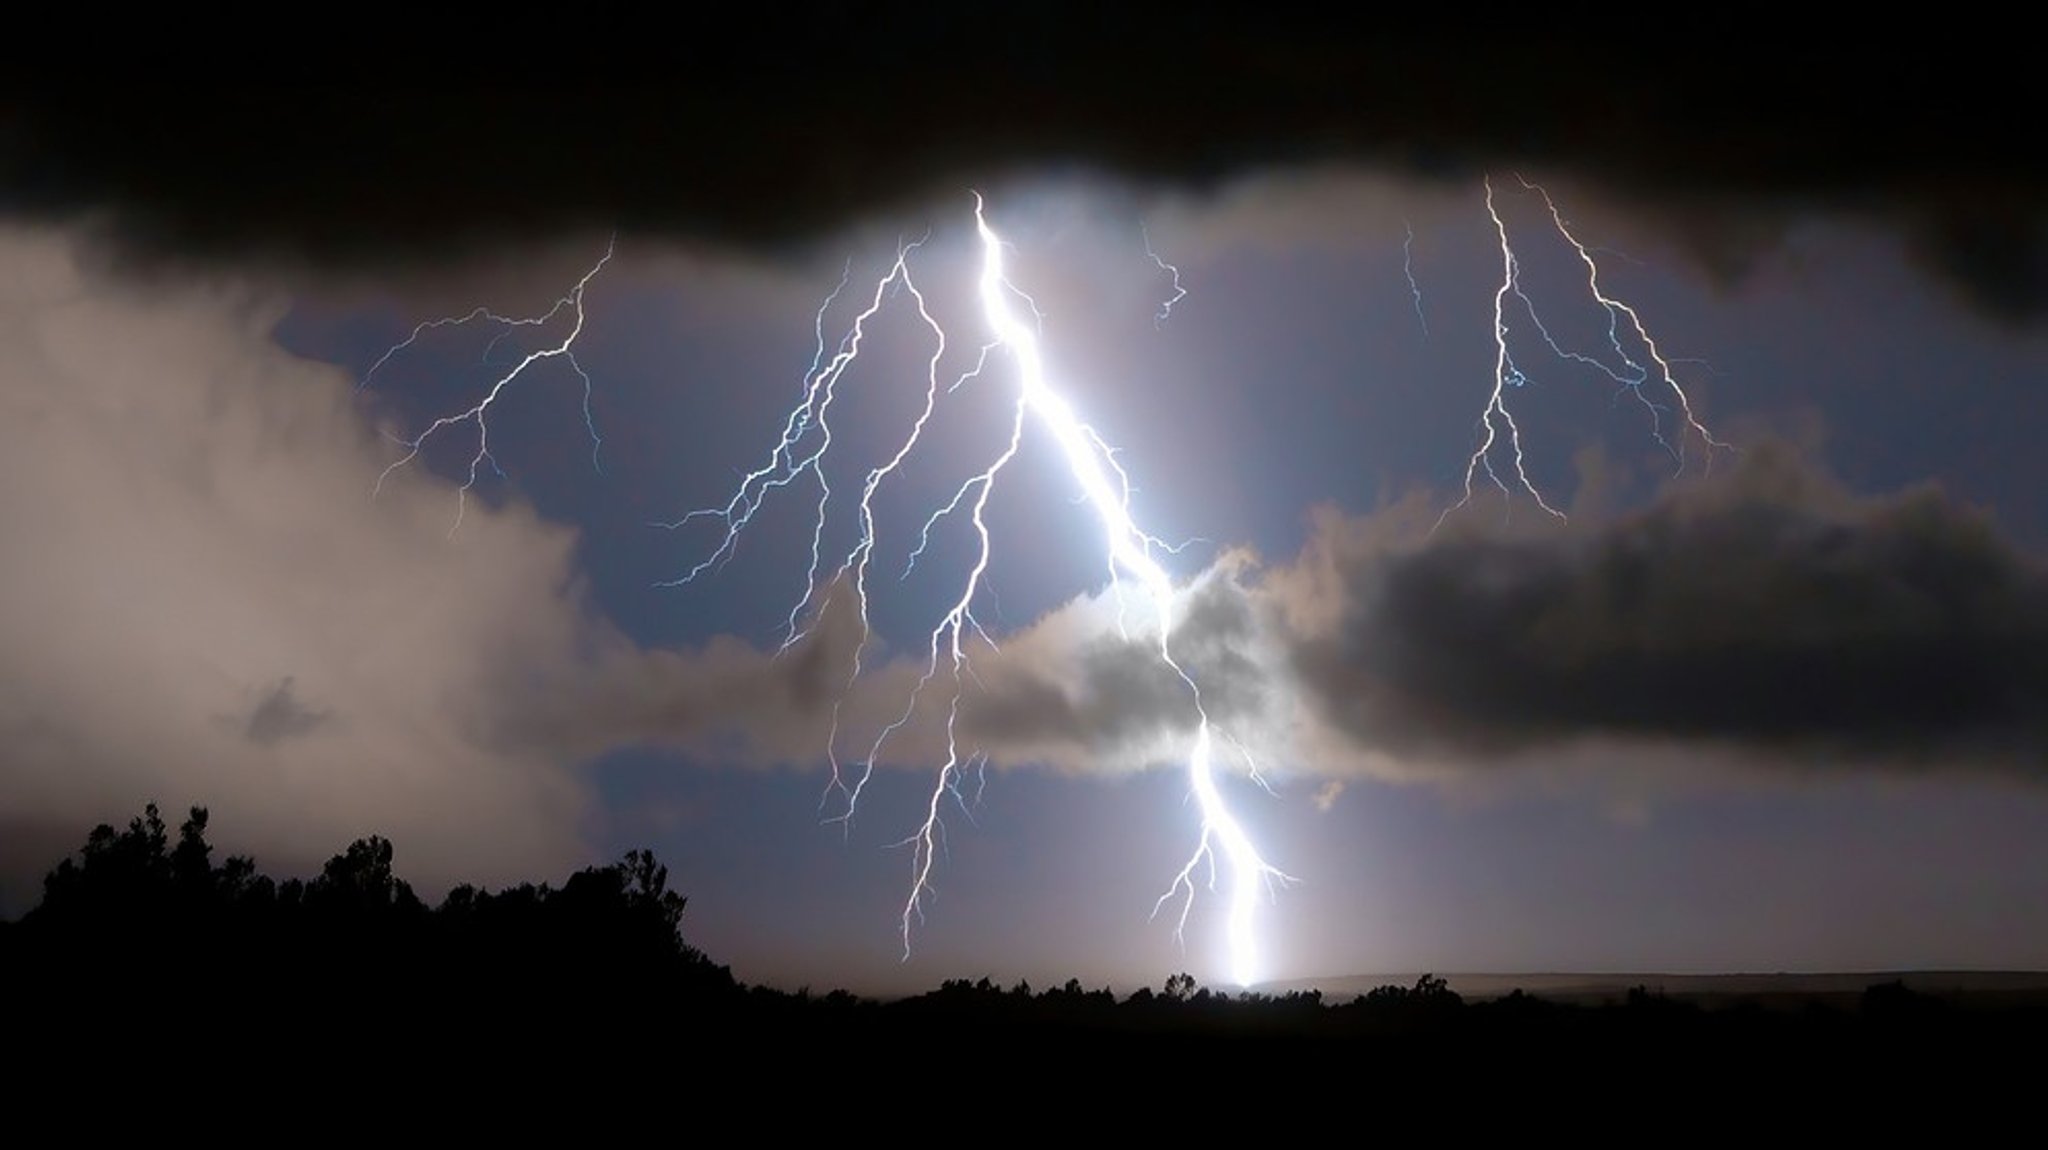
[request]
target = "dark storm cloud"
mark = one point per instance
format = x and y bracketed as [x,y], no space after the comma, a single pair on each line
[1766,611]
[1762,616]
[410,143]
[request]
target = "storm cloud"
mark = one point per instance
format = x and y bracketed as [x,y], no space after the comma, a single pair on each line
[1766,609]
[1764,615]
[409,148]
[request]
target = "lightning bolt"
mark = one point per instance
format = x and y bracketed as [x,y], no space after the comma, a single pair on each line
[479,412]
[1631,375]
[1179,293]
[1631,358]
[1408,269]
[1131,551]
[1617,361]
[1105,488]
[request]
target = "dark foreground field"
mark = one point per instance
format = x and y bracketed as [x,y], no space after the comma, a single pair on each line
[149,972]
[1843,990]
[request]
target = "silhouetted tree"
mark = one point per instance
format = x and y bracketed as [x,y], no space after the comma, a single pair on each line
[132,918]
[123,876]
[360,881]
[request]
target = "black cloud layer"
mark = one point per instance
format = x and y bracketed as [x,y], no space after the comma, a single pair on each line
[391,142]
[1904,629]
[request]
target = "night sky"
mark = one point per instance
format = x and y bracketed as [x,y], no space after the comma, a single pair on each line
[1776,705]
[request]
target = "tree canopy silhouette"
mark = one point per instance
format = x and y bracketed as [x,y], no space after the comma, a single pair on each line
[143,932]
[133,919]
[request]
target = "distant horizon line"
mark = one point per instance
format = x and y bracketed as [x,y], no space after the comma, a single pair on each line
[1486,983]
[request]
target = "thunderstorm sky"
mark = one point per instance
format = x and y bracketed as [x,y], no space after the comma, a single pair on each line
[1784,708]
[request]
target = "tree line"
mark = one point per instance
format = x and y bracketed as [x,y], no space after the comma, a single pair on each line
[141,923]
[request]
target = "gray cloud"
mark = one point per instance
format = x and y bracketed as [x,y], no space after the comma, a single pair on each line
[1076,691]
[1764,616]
[1086,690]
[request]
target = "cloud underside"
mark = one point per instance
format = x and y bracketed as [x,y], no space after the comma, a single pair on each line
[779,132]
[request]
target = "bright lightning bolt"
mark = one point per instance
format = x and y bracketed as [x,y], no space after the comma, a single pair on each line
[1633,375]
[1131,551]
[1505,375]
[1497,422]
[479,412]
[1105,488]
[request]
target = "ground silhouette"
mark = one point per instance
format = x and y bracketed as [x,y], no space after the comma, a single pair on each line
[148,961]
